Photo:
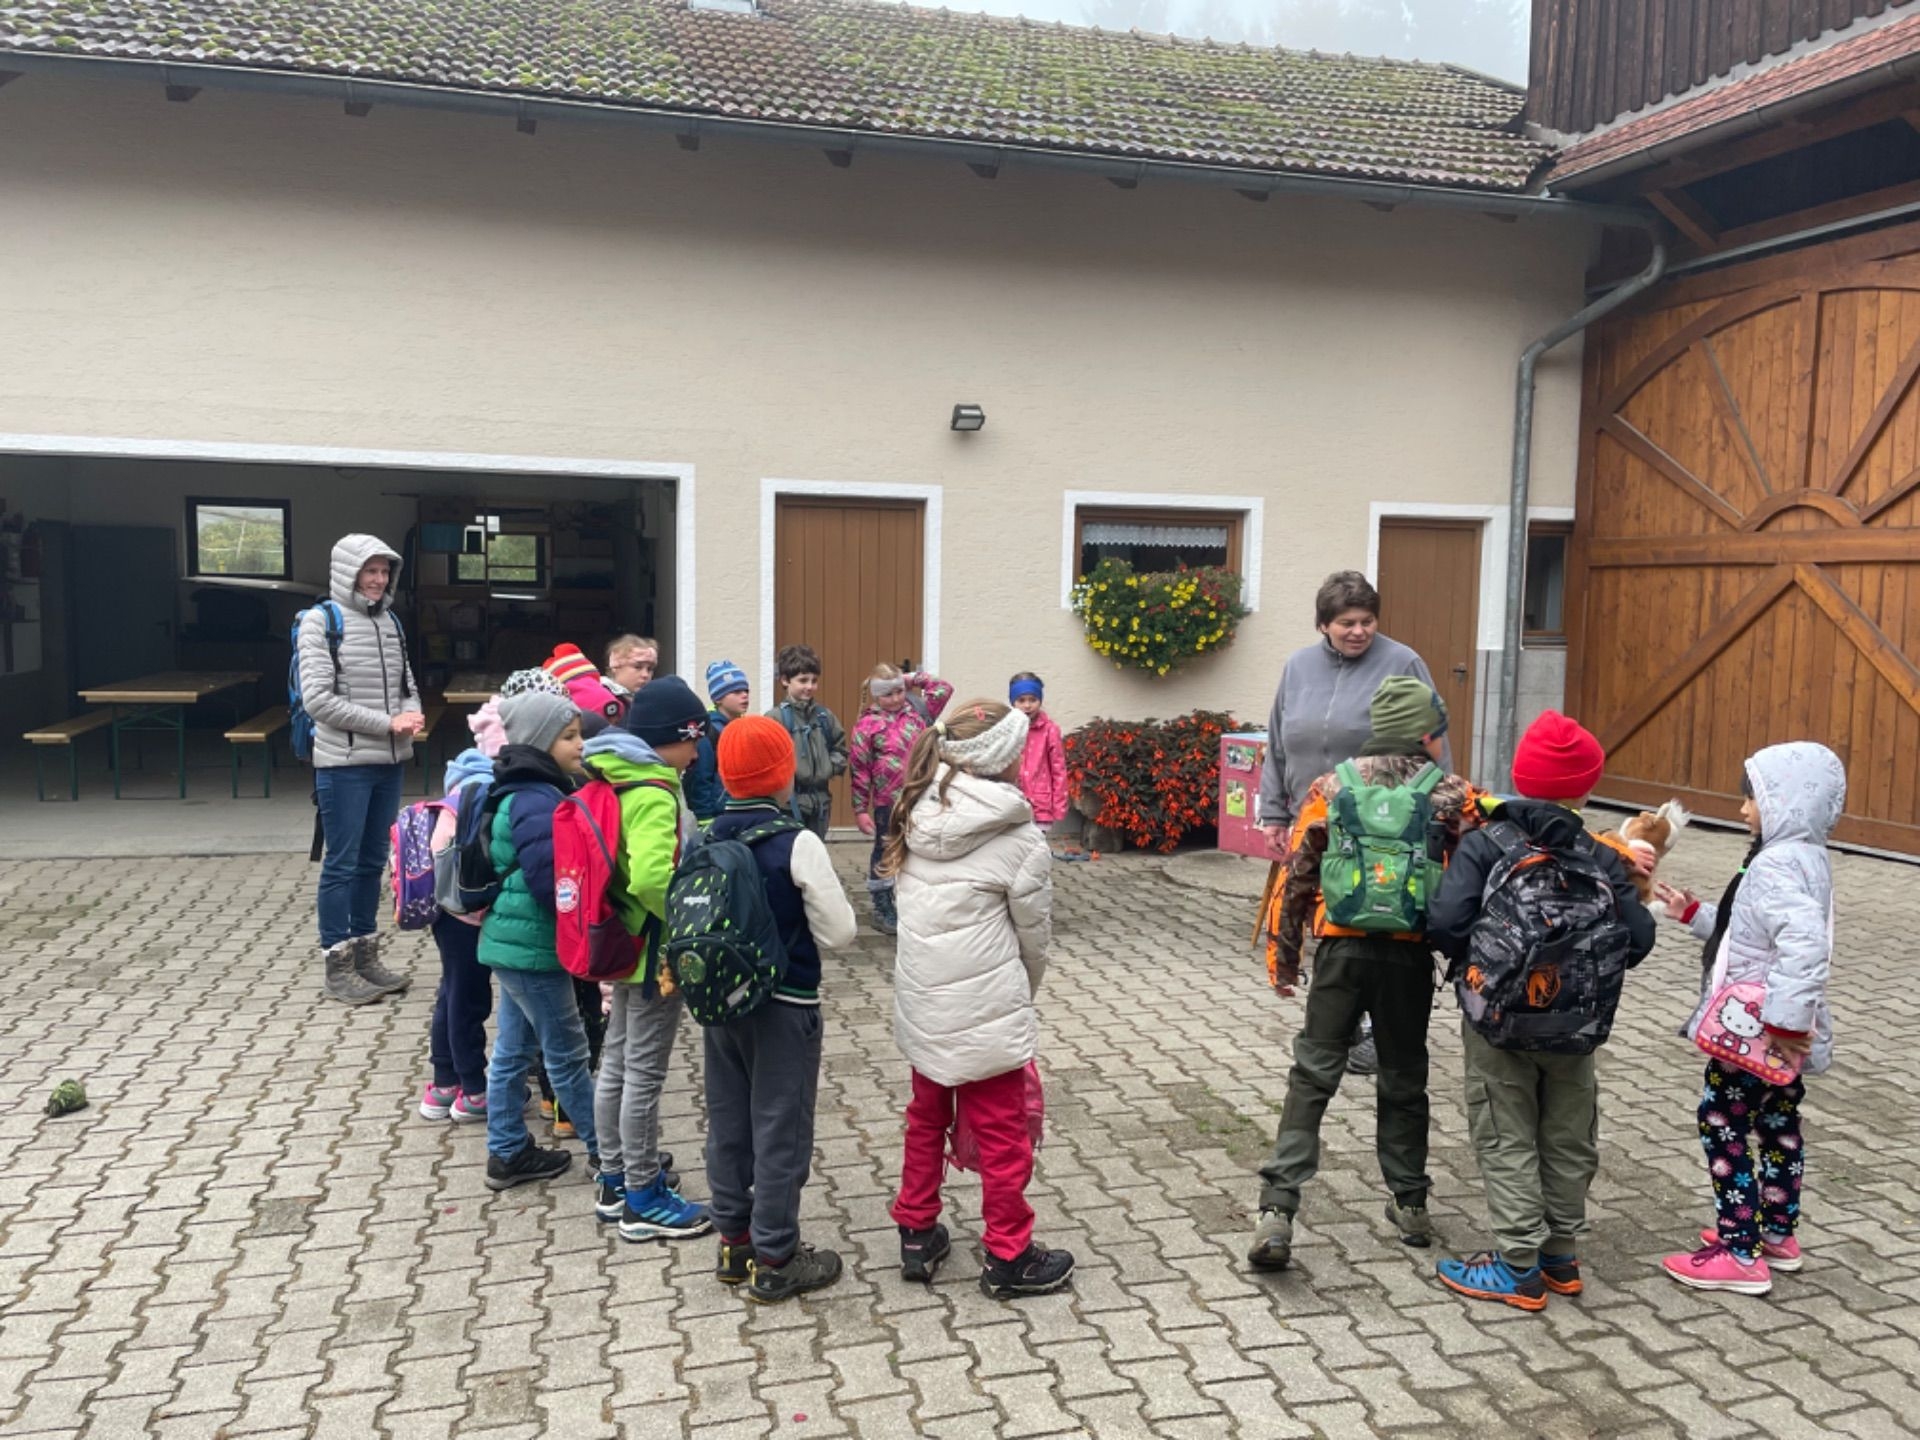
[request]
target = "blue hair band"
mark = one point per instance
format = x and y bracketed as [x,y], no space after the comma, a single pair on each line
[1022,689]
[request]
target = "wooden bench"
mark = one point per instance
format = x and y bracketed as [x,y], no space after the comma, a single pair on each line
[260,730]
[64,732]
[431,716]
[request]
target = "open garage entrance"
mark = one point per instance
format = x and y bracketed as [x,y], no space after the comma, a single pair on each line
[122,566]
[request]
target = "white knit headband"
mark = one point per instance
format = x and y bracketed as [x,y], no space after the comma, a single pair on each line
[992,752]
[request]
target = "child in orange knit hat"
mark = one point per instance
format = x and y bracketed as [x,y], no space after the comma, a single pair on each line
[763,1068]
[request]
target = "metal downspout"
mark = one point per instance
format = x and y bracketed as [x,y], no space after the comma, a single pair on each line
[1509,719]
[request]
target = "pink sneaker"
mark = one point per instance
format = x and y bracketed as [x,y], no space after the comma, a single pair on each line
[1715,1268]
[1782,1255]
[437,1103]
[468,1109]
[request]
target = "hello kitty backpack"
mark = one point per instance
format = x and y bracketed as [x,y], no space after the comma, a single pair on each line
[1730,1031]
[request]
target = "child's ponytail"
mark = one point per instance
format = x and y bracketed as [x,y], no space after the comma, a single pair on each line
[961,723]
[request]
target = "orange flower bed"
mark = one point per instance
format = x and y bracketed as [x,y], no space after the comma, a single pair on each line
[1153,781]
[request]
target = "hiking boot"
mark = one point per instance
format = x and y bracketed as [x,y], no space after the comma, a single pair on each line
[657,1213]
[734,1265]
[1364,1057]
[468,1109]
[343,983]
[1780,1252]
[1272,1246]
[886,919]
[1487,1276]
[366,964]
[531,1164]
[1562,1274]
[546,1109]
[921,1252]
[1718,1268]
[436,1101]
[1412,1221]
[609,1199]
[1035,1271]
[563,1127]
[806,1269]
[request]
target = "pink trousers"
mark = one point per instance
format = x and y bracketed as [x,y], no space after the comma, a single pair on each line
[996,1109]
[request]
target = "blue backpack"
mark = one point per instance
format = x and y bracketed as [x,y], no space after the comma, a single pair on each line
[299,722]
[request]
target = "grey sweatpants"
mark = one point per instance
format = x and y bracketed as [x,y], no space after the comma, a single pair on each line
[763,1074]
[633,1072]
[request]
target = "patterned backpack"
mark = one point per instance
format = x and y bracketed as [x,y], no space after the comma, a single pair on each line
[1548,954]
[723,944]
[416,905]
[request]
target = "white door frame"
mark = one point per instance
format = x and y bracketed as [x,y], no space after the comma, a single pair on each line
[927,495]
[685,588]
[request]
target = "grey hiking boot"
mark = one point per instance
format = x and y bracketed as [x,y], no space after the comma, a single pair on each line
[1363,1058]
[366,964]
[886,919]
[1272,1246]
[1412,1222]
[343,982]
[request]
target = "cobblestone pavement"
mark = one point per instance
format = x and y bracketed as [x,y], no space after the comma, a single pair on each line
[250,1232]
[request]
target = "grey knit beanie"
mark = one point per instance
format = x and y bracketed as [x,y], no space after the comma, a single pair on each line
[536,718]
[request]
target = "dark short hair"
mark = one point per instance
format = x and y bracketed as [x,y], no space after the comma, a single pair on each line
[797,660]
[1342,591]
[1027,675]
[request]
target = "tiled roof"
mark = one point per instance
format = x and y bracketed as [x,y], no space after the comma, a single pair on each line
[857,65]
[1785,81]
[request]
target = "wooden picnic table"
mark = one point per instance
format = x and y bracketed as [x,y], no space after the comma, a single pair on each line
[159,703]
[472,688]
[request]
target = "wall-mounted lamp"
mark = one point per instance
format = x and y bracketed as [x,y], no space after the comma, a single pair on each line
[969,417]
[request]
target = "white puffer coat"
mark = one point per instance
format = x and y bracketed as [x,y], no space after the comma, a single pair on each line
[352,713]
[976,906]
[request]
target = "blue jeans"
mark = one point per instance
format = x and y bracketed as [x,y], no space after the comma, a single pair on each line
[358,805]
[538,1018]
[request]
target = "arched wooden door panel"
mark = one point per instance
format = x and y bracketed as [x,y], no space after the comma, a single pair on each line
[1747,554]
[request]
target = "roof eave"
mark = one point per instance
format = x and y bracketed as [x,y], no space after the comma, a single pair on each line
[685,123]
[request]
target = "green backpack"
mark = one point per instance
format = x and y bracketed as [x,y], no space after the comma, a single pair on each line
[1377,875]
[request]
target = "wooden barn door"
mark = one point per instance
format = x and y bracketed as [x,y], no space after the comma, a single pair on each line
[848,582]
[1429,585]
[1746,566]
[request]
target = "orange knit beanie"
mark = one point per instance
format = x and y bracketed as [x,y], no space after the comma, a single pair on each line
[756,757]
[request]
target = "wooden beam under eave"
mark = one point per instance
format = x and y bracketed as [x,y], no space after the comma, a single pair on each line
[1687,216]
[1778,139]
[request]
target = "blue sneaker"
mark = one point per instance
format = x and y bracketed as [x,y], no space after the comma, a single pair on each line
[610,1199]
[658,1213]
[1487,1276]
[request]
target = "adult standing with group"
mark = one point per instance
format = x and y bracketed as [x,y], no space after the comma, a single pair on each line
[358,687]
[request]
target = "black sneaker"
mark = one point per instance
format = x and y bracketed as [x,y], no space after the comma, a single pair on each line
[1039,1271]
[735,1263]
[609,1199]
[532,1163]
[807,1269]
[921,1252]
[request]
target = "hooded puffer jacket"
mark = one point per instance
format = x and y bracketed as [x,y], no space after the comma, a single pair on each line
[352,712]
[976,901]
[1780,933]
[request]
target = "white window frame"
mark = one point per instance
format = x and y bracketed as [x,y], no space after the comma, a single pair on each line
[1250,510]
[929,497]
[685,588]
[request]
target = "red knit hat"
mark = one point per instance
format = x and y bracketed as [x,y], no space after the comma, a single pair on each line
[756,757]
[567,663]
[1557,759]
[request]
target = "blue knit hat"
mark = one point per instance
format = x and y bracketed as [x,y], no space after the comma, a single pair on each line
[723,678]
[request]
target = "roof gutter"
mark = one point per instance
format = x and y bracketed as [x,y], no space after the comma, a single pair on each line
[690,127]
[1522,482]
[1757,118]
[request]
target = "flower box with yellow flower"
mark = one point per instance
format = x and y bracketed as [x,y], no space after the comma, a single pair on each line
[1157,622]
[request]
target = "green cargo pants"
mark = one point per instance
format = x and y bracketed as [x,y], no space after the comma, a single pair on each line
[1535,1122]
[1391,980]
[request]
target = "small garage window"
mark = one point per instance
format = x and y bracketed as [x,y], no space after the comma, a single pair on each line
[243,539]
[1544,603]
[1157,540]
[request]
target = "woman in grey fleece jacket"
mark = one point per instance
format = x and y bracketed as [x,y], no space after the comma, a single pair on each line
[366,711]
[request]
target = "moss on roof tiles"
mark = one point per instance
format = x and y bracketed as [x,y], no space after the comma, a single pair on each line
[858,64]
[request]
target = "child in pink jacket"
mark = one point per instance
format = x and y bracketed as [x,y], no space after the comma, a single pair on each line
[1043,766]
[895,708]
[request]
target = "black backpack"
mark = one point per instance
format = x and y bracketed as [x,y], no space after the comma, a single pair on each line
[1548,953]
[723,944]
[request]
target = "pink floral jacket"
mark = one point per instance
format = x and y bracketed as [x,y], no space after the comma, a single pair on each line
[1043,771]
[877,759]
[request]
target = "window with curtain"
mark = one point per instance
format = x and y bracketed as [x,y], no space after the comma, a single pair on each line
[1155,540]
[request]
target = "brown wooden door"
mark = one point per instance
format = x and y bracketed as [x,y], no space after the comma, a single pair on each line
[1746,565]
[848,582]
[1429,584]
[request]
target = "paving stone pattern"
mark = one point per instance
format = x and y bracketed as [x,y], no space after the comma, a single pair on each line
[250,1233]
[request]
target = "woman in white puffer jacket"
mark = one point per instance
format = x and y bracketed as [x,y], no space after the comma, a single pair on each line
[974,890]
